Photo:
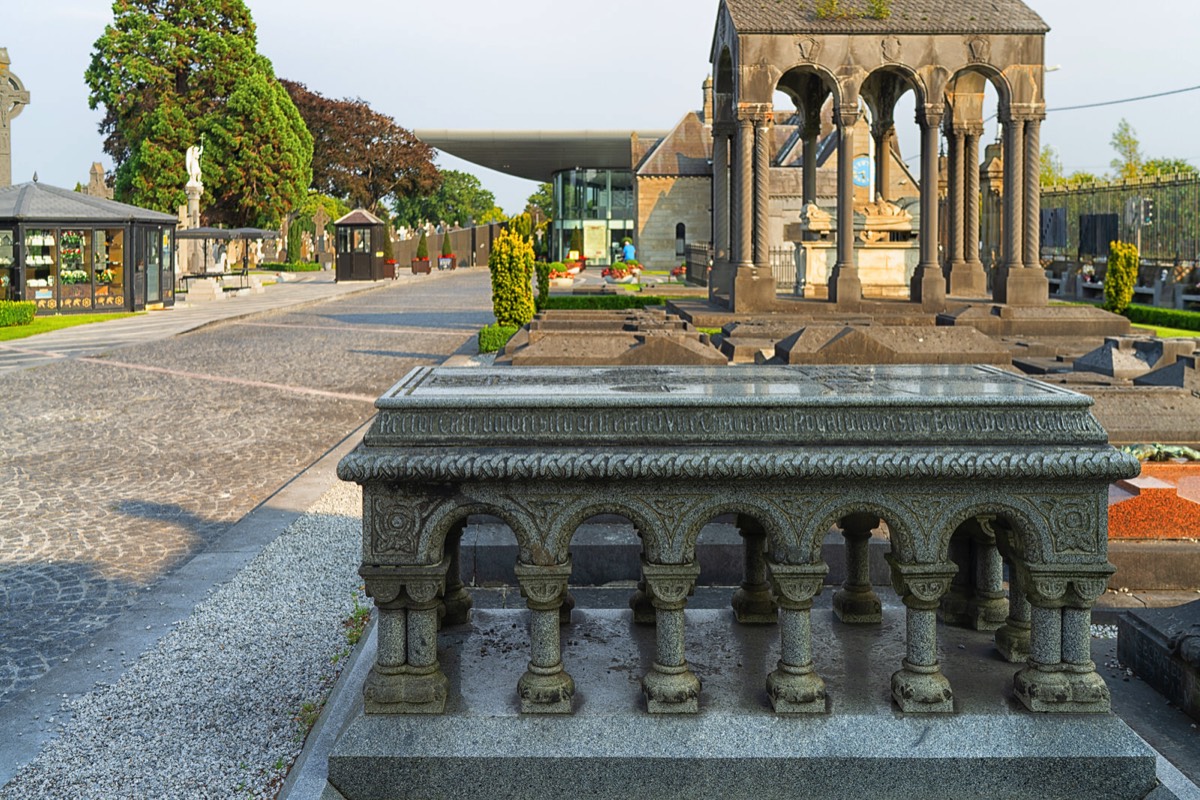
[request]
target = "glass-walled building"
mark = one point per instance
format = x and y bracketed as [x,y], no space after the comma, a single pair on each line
[69,252]
[599,204]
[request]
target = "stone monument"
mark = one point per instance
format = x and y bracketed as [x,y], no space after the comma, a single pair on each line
[194,189]
[13,99]
[97,185]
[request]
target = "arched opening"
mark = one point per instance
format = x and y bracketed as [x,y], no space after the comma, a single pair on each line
[680,240]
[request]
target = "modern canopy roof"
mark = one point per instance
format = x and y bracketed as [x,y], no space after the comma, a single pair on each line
[37,202]
[537,155]
[907,16]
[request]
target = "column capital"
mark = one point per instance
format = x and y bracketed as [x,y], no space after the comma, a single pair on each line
[724,128]
[670,584]
[1022,113]
[930,115]
[543,586]
[921,585]
[411,586]
[756,113]
[846,115]
[1055,585]
[796,585]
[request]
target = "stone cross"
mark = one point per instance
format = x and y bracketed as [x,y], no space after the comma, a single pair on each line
[13,99]
[320,220]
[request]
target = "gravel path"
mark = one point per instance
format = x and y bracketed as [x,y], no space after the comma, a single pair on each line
[211,711]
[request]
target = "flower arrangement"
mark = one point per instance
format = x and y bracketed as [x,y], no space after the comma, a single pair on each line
[73,276]
[106,276]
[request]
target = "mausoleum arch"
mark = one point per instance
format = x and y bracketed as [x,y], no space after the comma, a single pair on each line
[723,79]
[1017,521]
[907,532]
[965,92]
[886,84]
[768,518]
[649,526]
[807,83]
[438,530]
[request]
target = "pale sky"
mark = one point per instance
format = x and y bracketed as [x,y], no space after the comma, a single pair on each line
[565,64]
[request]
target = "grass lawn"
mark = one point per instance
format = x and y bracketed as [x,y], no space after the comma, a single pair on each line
[47,324]
[1168,333]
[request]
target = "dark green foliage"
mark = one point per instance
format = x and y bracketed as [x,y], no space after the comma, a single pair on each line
[511,266]
[389,251]
[543,284]
[522,225]
[423,248]
[295,236]
[604,302]
[17,312]
[459,199]
[1120,276]
[301,266]
[447,247]
[494,337]
[1163,317]
[576,240]
[173,75]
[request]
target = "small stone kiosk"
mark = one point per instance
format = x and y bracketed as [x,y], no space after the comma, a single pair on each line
[359,246]
[974,470]
[70,252]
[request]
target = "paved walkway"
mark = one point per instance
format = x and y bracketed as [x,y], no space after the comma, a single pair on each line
[127,450]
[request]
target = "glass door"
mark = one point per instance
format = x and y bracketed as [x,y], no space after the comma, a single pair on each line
[153,267]
[7,263]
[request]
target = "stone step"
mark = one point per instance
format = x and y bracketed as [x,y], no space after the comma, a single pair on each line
[735,747]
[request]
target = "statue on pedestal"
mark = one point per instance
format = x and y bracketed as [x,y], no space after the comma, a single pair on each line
[193,165]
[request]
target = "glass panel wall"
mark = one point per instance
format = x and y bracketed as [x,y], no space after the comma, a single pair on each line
[41,267]
[153,267]
[599,204]
[8,238]
[74,270]
[108,254]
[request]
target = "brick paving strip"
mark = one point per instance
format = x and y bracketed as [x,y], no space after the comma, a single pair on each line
[114,472]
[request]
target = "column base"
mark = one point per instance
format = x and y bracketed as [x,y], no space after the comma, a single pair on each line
[755,607]
[968,279]
[671,690]
[405,691]
[845,287]
[457,608]
[796,690]
[857,608]
[1059,690]
[720,281]
[643,609]
[753,289]
[546,692]
[922,690]
[987,613]
[1027,287]
[929,287]
[1012,641]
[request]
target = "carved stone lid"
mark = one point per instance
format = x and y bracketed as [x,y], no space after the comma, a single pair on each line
[930,405]
[907,16]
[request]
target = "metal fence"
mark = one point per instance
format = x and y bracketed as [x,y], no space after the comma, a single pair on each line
[783,269]
[1075,218]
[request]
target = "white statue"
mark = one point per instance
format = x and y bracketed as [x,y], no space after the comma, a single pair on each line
[193,163]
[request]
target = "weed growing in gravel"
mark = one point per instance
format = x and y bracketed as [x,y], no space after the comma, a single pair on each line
[308,717]
[356,623]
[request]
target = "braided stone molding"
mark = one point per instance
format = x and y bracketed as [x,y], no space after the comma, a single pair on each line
[400,466]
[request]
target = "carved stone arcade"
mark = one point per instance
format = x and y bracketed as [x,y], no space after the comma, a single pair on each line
[943,53]
[971,468]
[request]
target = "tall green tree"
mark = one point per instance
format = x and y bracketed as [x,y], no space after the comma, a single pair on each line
[1168,166]
[1128,163]
[170,74]
[543,201]
[1052,167]
[460,199]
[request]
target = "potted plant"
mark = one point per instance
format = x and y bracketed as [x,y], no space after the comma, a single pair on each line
[421,262]
[576,245]
[447,261]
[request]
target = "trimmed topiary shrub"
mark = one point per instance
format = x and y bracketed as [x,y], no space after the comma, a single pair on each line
[447,248]
[1121,276]
[511,266]
[1163,317]
[17,312]
[423,248]
[494,337]
[303,266]
[604,302]
[543,284]
[576,241]
[295,240]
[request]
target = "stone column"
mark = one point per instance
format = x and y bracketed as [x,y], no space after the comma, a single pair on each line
[752,602]
[670,686]
[856,603]
[406,677]
[795,687]
[971,280]
[457,602]
[929,283]
[883,131]
[919,685]
[987,609]
[1012,638]
[720,278]
[955,257]
[762,193]
[744,202]
[545,688]
[812,135]
[1014,198]
[845,287]
[1028,286]
[1060,676]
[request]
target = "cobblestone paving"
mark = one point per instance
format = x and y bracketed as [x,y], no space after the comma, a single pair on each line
[116,469]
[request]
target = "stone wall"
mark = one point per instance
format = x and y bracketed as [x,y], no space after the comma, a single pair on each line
[661,204]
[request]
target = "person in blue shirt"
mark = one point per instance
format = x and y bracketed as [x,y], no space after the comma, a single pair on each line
[628,252]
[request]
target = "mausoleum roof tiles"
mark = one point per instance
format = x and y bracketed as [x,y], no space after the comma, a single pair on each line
[907,17]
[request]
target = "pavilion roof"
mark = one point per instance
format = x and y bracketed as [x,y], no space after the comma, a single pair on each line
[907,17]
[40,202]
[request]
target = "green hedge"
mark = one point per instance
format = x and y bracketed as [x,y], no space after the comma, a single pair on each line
[603,302]
[302,266]
[1164,317]
[494,337]
[16,312]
